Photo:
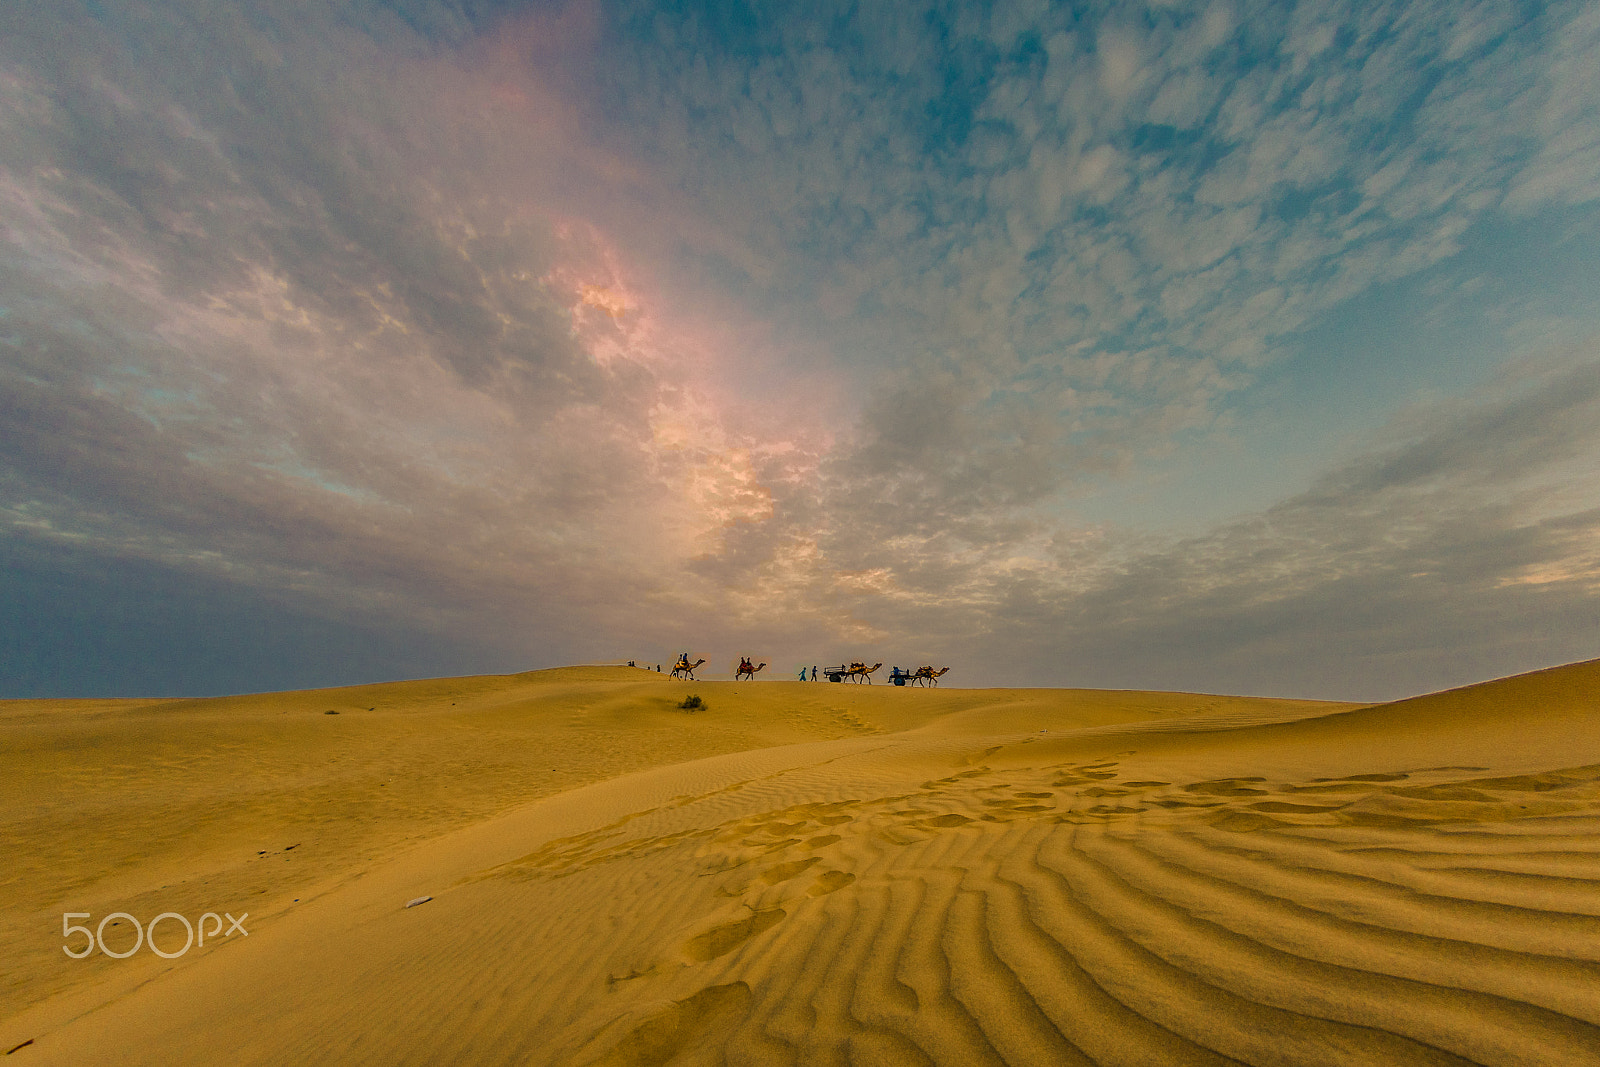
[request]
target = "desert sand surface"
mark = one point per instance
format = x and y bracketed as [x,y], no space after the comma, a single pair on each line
[807,873]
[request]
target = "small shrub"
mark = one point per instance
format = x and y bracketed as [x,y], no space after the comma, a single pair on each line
[692,703]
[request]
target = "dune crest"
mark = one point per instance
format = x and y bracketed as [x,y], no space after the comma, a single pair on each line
[875,877]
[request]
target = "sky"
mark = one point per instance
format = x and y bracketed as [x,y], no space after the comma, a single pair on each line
[1222,347]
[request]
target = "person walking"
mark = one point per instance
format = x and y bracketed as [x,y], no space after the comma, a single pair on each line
[802,674]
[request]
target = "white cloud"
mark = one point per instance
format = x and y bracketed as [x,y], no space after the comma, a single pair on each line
[1184,99]
[1566,166]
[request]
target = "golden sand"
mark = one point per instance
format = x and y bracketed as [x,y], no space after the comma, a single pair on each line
[807,873]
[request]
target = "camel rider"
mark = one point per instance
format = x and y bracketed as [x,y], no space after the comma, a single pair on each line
[744,665]
[683,662]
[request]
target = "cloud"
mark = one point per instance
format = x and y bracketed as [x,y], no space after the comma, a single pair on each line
[1567,134]
[1462,546]
[1530,430]
[525,322]
[274,337]
[1062,199]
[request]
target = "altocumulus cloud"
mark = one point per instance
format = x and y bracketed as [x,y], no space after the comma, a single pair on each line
[351,341]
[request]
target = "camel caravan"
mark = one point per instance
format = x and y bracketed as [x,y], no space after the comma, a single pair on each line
[856,671]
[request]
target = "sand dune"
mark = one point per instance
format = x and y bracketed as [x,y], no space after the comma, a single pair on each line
[812,874]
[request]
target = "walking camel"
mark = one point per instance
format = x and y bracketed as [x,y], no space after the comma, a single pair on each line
[855,671]
[747,671]
[684,669]
[929,675]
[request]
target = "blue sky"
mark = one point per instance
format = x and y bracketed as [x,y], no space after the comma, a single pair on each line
[1243,347]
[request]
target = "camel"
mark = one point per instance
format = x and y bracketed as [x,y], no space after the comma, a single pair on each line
[684,669]
[747,671]
[858,671]
[929,675]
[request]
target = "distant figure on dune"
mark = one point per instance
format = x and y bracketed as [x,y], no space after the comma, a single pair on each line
[802,674]
[813,673]
[745,670]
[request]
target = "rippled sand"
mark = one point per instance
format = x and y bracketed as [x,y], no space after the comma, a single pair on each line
[812,874]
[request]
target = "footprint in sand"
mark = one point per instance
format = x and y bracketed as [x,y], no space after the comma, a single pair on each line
[1072,775]
[721,940]
[703,1017]
[1228,787]
[785,871]
[1245,822]
[830,882]
[1113,809]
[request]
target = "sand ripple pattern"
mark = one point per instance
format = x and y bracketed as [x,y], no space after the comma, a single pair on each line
[1076,915]
[1107,879]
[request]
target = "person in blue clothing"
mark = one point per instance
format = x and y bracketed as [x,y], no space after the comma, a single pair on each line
[802,674]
